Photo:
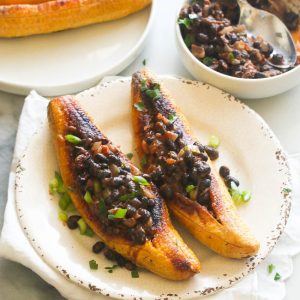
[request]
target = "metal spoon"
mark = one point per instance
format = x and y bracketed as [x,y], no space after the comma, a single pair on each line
[272,29]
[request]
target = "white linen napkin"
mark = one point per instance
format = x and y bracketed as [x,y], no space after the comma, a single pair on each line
[15,246]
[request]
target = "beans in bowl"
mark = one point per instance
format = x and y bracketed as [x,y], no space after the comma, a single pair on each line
[210,30]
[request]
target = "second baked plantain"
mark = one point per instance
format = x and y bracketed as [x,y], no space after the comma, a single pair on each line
[184,174]
[115,199]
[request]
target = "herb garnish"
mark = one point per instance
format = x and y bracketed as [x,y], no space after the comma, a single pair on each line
[119,214]
[286,190]
[111,269]
[93,265]
[141,180]
[189,40]
[271,268]
[144,62]
[143,161]
[64,201]
[214,141]
[172,117]
[277,277]
[129,155]
[190,188]
[73,139]
[239,197]
[129,196]
[185,22]
[88,197]
[135,274]
[56,184]
[82,226]
[63,216]
[208,61]
[139,106]
[154,93]
[102,208]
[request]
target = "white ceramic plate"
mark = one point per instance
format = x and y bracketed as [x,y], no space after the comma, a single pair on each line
[247,146]
[72,60]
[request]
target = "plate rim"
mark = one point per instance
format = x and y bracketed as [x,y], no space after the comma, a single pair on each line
[252,263]
[86,83]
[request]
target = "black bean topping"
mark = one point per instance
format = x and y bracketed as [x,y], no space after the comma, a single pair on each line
[72,222]
[130,210]
[204,199]
[114,159]
[100,158]
[224,171]
[204,184]
[212,153]
[230,179]
[139,235]
[117,181]
[202,168]
[131,222]
[144,214]
[98,247]
[166,191]
[121,261]
[259,75]
[135,202]
[130,266]
[110,255]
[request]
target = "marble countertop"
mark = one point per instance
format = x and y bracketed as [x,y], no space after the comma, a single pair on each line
[280,112]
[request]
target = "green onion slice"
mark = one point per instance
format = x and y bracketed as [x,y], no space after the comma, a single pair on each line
[73,139]
[277,277]
[214,141]
[82,226]
[129,155]
[271,268]
[208,61]
[189,40]
[129,196]
[143,161]
[172,118]
[102,208]
[89,232]
[141,180]
[88,197]
[93,265]
[135,274]
[190,188]
[97,186]
[144,62]
[63,216]
[64,201]
[185,22]
[139,106]
[119,214]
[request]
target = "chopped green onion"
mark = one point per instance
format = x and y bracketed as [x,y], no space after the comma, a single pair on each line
[129,196]
[129,155]
[231,57]
[88,197]
[82,226]
[53,186]
[246,196]
[64,201]
[139,106]
[144,62]
[193,16]
[141,180]
[63,216]
[154,93]
[143,161]
[190,188]
[214,141]
[172,118]
[56,184]
[110,269]
[277,277]
[239,197]
[135,274]
[119,214]
[93,265]
[189,40]
[102,208]
[143,85]
[72,139]
[97,186]
[286,190]
[208,61]
[89,232]
[271,268]
[185,22]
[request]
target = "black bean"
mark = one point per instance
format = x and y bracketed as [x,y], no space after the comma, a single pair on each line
[135,202]
[232,38]
[202,168]
[204,199]
[258,75]
[110,254]
[212,153]
[185,179]
[131,186]
[170,145]
[139,235]
[114,159]
[201,38]
[224,171]
[156,175]
[166,191]
[80,161]
[203,156]
[121,261]
[109,200]
[105,173]
[98,247]
[144,214]
[189,158]
[277,59]
[100,158]
[130,210]
[72,221]
[230,179]
[150,139]
[204,184]
[117,181]
[131,222]
[196,8]
[210,50]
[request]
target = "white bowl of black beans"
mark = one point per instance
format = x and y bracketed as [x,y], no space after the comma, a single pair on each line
[218,52]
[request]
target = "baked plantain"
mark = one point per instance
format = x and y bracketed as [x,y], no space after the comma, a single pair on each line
[119,203]
[181,169]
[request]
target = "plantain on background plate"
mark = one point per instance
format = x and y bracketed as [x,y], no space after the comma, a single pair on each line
[185,176]
[115,199]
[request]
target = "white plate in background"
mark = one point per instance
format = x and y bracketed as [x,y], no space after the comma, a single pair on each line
[72,60]
[248,147]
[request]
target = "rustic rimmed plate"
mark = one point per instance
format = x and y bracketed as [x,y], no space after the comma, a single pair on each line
[72,60]
[247,145]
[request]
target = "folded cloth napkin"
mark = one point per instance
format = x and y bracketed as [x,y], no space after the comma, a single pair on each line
[15,246]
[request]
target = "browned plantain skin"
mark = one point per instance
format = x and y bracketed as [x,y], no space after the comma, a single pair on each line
[226,234]
[166,254]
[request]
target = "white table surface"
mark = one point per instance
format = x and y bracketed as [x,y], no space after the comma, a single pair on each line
[282,113]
